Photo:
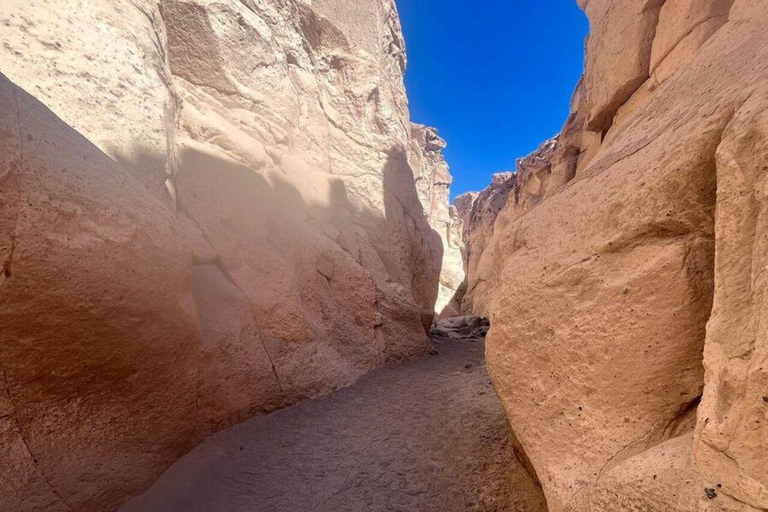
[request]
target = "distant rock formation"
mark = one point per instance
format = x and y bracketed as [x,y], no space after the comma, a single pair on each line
[625,270]
[216,218]
[527,185]
[433,183]
[463,204]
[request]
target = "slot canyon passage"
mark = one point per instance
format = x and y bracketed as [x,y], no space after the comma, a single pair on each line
[232,279]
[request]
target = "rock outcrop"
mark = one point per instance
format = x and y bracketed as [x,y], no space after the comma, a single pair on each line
[518,191]
[624,276]
[484,207]
[464,204]
[433,183]
[216,218]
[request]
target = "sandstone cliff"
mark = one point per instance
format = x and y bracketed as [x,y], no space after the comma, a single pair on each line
[464,204]
[215,218]
[624,275]
[433,183]
[518,191]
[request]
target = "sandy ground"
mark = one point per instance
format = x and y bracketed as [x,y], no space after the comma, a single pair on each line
[425,436]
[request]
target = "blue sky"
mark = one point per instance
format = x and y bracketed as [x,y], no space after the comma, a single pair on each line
[494,76]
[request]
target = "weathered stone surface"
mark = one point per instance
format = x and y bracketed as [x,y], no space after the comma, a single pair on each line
[99,340]
[461,327]
[601,295]
[518,192]
[587,307]
[485,208]
[731,447]
[684,26]
[99,66]
[660,478]
[222,222]
[463,204]
[453,272]
[618,54]
[433,183]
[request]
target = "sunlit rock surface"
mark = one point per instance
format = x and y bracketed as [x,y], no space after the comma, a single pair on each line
[624,276]
[518,191]
[216,218]
[433,183]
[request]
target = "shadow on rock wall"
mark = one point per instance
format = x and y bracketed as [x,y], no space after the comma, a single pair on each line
[131,331]
[405,213]
[296,299]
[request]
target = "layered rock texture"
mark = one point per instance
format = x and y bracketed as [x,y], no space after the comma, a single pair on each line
[208,212]
[624,274]
[433,183]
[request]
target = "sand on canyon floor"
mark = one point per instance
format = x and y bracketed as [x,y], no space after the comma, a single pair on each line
[429,435]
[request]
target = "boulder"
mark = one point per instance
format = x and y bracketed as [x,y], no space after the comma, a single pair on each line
[461,328]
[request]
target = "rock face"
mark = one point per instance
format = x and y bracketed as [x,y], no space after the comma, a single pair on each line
[464,204]
[731,444]
[482,211]
[519,191]
[433,183]
[624,274]
[216,218]
[98,349]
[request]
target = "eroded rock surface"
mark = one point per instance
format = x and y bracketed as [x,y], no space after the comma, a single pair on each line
[216,218]
[99,344]
[433,182]
[464,204]
[518,191]
[623,276]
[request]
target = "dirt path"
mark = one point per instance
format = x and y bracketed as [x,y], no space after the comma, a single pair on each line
[426,436]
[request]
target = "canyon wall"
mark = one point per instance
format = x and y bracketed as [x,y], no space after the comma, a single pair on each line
[521,190]
[208,212]
[433,183]
[624,275]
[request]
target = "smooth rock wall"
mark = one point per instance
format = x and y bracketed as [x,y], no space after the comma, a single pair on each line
[216,218]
